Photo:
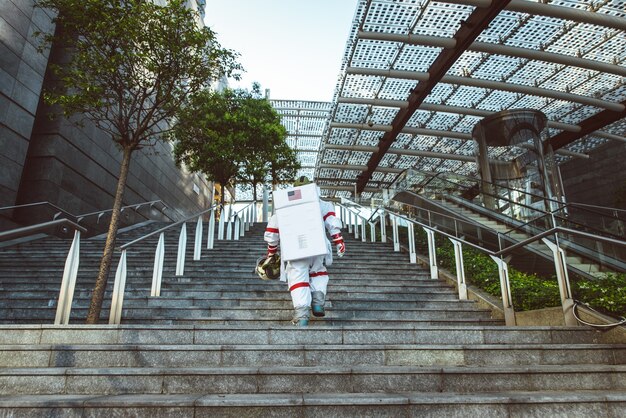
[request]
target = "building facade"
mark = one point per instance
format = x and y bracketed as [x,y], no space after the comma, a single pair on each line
[75,168]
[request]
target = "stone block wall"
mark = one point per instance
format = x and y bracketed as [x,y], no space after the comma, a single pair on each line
[53,160]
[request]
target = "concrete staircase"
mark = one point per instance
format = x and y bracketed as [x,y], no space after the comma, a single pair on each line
[218,342]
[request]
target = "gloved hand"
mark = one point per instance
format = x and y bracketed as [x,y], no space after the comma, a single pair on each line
[339,244]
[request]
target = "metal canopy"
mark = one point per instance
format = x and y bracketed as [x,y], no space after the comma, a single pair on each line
[417,76]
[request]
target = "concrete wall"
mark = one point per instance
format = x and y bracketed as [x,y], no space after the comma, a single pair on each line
[22,70]
[53,160]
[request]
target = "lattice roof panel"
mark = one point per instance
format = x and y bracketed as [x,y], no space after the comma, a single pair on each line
[557,63]
[359,158]
[342,136]
[416,58]
[361,86]
[370,138]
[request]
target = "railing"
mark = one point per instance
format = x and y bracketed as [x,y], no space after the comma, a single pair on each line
[58,212]
[596,220]
[349,210]
[513,202]
[238,221]
[70,271]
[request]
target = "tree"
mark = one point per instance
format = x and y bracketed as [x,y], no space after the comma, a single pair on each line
[268,137]
[284,165]
[130,66]
[228,135]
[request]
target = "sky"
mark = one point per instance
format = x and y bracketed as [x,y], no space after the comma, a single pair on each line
[294,48]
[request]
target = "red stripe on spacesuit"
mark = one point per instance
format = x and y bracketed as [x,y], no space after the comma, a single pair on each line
[329,214]
[297,285]
[274,230]
[319,273]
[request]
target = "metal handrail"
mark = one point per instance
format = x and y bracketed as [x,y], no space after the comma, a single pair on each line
[135,207]
[499,258]
[562,204]
[120,275]
[79,218]
[33,229]
[70,271]
[165,228]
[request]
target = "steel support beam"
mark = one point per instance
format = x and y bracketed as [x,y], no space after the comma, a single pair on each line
[588,126]
[543,9]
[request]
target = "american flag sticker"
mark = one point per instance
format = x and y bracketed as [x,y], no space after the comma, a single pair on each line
[294,195]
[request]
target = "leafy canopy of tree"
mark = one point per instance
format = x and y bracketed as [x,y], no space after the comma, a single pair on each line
[128,66]
[229,135]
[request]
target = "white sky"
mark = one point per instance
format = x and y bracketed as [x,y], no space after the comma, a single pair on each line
[292,47]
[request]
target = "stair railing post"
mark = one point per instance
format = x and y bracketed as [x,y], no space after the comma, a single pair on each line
[157,272]
[460,269]
[432,253]
[242,225]
[115,315]
[66,294]
[220,227]
[411,233]
[396,235]
[505,288]
[383,227]
[211,231]
[363,234]
[349,221]
[562,278]
[356,226]
[237,229]
[249,217]
[197,247]
[229,230]
[182,249]
[372,232]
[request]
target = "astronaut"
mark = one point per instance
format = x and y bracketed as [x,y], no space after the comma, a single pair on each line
[307,278]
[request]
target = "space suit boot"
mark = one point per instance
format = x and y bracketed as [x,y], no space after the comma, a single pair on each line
[301,316]
[317,304]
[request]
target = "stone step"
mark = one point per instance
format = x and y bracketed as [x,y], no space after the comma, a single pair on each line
[254,313]
[310,379]
[389,353]
[591,404]
[271,293]
[283,303]
[381,333]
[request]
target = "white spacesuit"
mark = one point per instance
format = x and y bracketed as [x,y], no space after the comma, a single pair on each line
[307,278]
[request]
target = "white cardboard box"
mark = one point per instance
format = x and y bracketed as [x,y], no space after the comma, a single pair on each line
[300,222]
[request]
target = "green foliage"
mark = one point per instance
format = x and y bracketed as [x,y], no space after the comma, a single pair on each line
[284,164]
[230,135]
[128,66]
[606,293]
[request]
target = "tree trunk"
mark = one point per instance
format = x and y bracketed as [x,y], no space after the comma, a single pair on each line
[254,191]
[109,247]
